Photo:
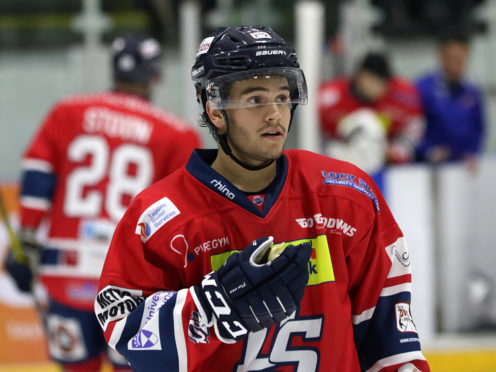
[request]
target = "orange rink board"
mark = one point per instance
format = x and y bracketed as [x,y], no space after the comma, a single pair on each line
[21,335]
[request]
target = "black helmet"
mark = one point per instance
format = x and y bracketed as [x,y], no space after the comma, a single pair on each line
[135,59]
[237,53]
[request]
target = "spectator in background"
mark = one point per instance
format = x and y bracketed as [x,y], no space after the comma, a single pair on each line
[389,137]
[92,154]
[453,108]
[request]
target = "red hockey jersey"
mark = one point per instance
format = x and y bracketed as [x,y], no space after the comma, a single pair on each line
[90,156]
[355,314]
[400,110]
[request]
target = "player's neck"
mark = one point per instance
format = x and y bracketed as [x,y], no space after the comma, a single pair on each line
[139,90]
[243,179]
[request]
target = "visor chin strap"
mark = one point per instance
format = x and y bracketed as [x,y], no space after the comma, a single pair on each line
[227,149]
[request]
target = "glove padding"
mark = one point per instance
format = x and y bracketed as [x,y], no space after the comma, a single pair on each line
[246,295]
[23,268]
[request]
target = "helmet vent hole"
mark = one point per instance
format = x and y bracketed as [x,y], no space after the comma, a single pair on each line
[231,61]
[234,39]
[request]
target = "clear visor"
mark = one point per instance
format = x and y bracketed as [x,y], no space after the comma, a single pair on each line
[268,86]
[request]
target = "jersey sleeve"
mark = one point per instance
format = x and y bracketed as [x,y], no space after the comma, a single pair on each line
[39,171]
[380,290]
[145,314]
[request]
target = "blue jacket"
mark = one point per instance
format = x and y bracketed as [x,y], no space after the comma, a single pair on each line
[454,116]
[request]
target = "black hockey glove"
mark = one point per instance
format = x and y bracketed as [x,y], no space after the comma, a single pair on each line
[23,268]
[251,292]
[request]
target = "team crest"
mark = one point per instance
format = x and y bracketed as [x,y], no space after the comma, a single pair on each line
[258,200]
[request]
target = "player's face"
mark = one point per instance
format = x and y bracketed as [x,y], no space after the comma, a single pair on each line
[371,86]
[454,58]
[257,134]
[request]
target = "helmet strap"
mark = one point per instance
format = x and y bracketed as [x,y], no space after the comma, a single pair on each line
[293,108]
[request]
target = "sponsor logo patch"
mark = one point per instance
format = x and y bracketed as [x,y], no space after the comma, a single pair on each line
[404,320]
[114,303]
[350,180]
[64,338]
[197,330]
[400,258]
[335,225]
[222,189]
[204,45]
[198,71]
[144,340]
[145,230]
[260,35]
[148,337]
[400,252]
[153,303]
[154,217]
[210,245]
[270,53]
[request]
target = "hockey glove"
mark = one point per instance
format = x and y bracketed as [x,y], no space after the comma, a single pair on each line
[250,292]
[23,268]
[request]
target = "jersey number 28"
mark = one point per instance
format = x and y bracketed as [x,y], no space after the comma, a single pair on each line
[104,162]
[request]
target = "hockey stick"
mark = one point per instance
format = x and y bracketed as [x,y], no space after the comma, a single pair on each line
[15,244]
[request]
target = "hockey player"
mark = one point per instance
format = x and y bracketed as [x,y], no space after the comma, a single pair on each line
[373,86]
[251,258]
[92,154]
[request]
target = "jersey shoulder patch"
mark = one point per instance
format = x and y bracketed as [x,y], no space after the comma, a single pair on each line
[154,217]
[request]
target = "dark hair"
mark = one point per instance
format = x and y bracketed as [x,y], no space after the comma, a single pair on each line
[376,63]
[457,37]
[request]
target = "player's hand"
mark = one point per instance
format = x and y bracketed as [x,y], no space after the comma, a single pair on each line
[23,268]
[251,292]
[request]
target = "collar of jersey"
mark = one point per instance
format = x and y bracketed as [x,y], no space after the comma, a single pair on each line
[199,166]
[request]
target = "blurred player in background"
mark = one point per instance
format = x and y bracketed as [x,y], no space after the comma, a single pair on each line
[453,108]
[251,258]
[389,137]
[92,154]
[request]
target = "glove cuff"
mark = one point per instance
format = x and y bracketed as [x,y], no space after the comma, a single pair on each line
[228,324]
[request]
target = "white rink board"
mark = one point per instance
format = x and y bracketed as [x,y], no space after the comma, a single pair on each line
[409,195]
[448,216]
